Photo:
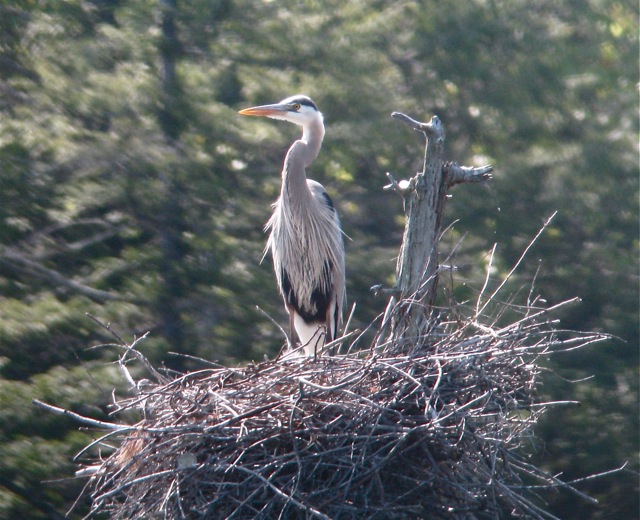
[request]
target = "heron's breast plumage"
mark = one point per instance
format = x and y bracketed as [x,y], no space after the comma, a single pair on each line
[308,252]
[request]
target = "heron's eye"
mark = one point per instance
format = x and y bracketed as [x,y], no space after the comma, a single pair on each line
[296,106]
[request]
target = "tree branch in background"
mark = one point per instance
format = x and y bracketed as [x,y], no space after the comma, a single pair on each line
[26,267]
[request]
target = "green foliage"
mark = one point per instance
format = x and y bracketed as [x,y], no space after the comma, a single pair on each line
[37,446]
[131,190]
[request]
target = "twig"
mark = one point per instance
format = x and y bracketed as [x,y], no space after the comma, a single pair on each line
[517,264]
[80,418]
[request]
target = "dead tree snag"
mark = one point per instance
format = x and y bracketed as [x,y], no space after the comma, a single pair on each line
[409,309]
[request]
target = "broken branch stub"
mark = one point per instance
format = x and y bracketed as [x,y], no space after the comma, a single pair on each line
[408,312]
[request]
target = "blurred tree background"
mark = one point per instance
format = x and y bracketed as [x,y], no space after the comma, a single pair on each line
[131,190]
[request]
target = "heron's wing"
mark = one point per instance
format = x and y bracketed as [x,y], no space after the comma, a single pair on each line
[316,309]
[328,200]
[336,260]
[320,194]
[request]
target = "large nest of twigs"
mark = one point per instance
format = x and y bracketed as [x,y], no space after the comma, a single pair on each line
[433,432]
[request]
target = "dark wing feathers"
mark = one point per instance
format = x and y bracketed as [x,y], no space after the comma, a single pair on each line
[328,201]
[316,310]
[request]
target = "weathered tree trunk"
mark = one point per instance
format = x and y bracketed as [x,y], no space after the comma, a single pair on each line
[409,310]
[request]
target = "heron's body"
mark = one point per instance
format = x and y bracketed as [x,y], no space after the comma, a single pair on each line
[305,237]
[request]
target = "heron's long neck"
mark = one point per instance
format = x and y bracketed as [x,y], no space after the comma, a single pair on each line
[300,155]
[312,135]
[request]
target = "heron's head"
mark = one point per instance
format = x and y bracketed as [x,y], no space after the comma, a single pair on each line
[297,109]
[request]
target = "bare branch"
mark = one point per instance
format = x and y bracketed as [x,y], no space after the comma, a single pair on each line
[457,174]
[28,267]
[80,418]
[426,128]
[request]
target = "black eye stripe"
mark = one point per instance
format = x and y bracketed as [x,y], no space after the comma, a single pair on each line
[298,103]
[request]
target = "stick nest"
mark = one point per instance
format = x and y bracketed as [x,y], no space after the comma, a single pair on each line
[387,433]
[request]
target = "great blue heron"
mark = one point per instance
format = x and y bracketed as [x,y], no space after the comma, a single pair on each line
[306,239]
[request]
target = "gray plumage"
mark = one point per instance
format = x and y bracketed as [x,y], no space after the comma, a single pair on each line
[305,238]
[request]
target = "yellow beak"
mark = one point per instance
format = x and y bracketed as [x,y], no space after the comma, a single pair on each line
[264,110]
